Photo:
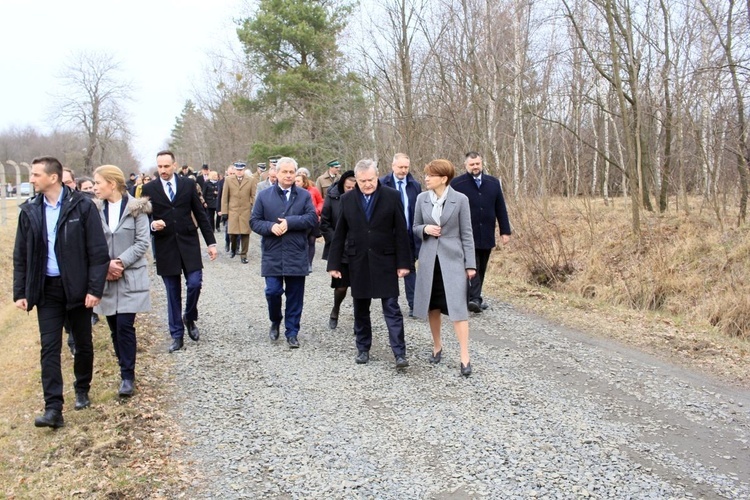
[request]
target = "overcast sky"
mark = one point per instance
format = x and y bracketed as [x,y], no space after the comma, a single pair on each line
[163,47]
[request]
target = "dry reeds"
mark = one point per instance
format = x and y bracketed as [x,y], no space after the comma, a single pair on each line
[685,265]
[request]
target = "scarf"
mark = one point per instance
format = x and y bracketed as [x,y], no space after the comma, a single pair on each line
[437,204]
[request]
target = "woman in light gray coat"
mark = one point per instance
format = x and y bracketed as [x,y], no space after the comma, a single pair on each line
[127,290]
[446,259]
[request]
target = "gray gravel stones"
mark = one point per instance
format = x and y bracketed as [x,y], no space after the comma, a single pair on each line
[548,413]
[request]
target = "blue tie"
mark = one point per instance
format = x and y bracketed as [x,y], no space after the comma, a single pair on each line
[404,200]
[171,191]
[286,197]
[478,180]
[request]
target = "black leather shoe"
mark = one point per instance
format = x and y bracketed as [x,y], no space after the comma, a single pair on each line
[466,370]
[475,307]
[192,330]
[243,260]
[176,345]
[51,418]
[401,362]
[293,342]
[333,323]
[82,400]
[126,388]
[232,255]
[273,332]
[484,306]
[436,357]
[362,358]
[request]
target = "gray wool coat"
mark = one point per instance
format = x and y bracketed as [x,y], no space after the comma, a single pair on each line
[129,243]
[455,248]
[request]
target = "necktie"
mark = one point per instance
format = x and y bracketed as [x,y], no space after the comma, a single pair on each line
[478,180]
[171,191]
[286,196]
[404,200]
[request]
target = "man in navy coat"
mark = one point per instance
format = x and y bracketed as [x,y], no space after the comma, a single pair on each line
[283,216]
[177,249]
[487,205]
[372,232]
[408,188]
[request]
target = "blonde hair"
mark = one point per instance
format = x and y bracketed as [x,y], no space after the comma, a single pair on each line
[113,174]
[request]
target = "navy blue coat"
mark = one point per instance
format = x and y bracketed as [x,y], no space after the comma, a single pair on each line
[413,188]
[487,205]
[284,255]
[375,249]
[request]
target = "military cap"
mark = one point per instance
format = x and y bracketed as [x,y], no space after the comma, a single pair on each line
[273,159]
[333,164]
[239,165]
[262,167]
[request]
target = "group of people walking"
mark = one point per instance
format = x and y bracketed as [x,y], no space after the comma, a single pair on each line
[375,231]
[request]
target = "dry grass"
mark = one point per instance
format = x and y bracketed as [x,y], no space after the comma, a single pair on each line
[682,289]
[115,449]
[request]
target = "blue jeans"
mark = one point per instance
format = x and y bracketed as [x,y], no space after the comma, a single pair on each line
[295,294]
[193,283]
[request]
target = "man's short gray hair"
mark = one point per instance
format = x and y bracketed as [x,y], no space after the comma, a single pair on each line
[364,165]
[286,159]
[303,171]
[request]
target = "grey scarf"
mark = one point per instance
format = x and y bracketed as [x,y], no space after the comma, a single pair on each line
[437,204]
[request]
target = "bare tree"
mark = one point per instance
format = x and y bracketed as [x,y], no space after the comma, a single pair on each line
[92,99]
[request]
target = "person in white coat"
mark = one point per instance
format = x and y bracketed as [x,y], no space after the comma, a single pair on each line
[446,258]
[127,290]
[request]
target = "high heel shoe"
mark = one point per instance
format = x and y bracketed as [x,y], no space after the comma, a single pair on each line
[436,357]
[466,370]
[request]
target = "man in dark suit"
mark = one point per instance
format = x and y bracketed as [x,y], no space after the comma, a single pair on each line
[408,188]
[176,245]
[372,232]
[487,205]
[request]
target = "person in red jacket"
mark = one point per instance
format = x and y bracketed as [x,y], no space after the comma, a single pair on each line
[303,181]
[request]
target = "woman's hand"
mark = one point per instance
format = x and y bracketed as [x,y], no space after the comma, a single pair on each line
[115,270]
[470,273]
[432,230]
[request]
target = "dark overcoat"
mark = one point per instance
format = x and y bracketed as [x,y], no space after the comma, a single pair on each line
[375,249]
[284,255]
[412,188]
[177,246]
[487,205]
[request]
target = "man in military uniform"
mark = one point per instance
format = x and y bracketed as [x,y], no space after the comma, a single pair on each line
[329,178]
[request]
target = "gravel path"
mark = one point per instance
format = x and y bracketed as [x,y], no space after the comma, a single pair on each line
[548,412]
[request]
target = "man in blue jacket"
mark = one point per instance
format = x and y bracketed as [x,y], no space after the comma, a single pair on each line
[57,227]
[283,216]
[487,205]
[408,188]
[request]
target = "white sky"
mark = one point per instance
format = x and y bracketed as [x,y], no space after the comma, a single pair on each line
[162,45]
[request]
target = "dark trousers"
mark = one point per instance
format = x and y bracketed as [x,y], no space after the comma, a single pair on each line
[311,239]
[193,284]
[122,329]
[475,285]
[295,295]
[52,313]
[212,218]
[229,238]
[394,320]
[241,240]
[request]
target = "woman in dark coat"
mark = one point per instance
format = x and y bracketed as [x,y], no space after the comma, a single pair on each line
[211,195]
[330,215]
